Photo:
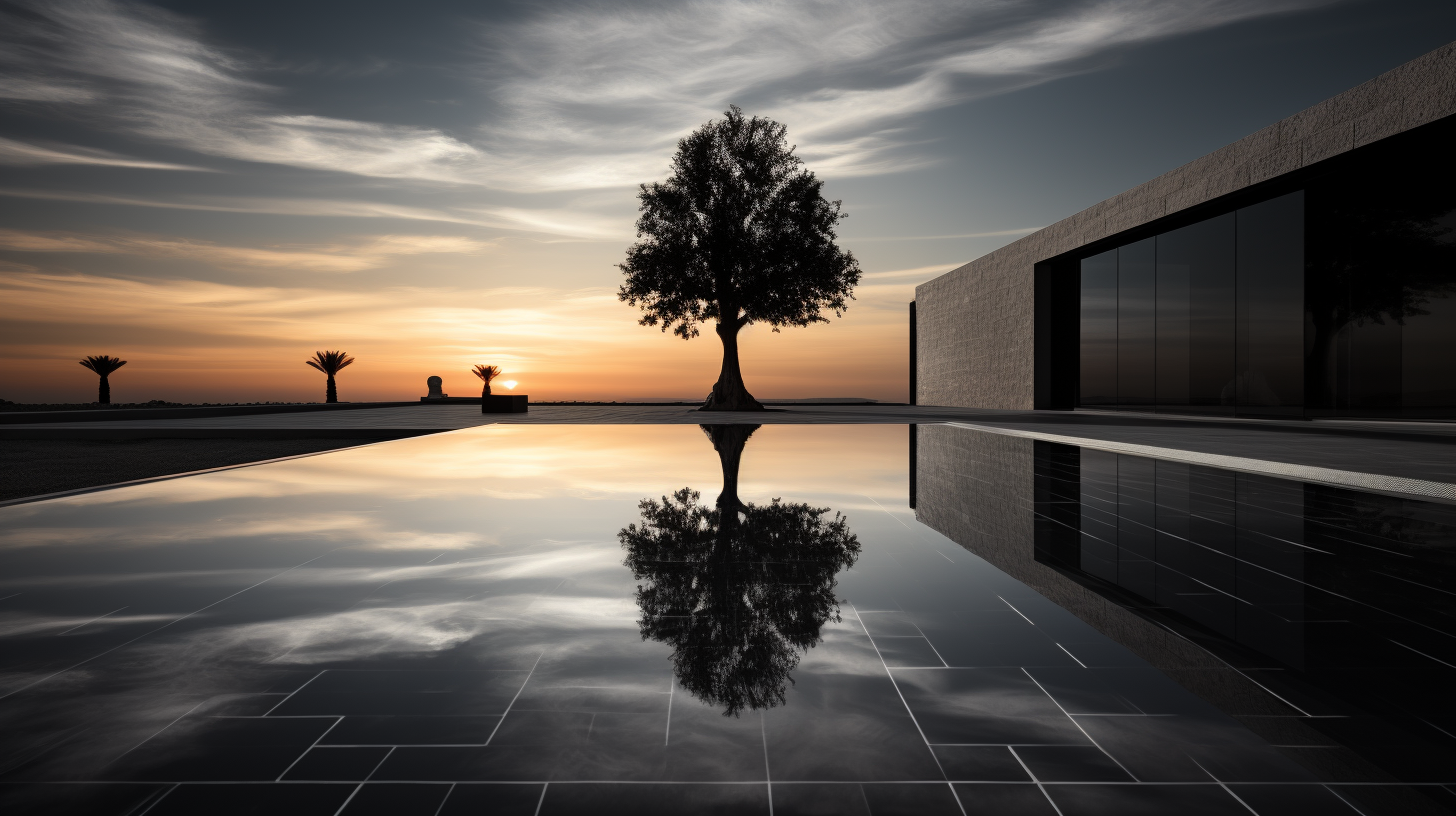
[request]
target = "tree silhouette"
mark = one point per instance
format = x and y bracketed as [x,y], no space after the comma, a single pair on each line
[104,365]
[486,373]
[739,234]
[740,590]
[330,363]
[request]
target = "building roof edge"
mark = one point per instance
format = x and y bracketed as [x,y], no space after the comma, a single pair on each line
[1415,93]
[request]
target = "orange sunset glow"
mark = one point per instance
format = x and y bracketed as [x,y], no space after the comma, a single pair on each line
[213,192]
[203,341]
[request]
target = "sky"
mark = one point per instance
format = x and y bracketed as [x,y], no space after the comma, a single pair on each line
[215,190]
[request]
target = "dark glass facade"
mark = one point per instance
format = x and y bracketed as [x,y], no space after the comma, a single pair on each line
[1208,318]
[1328,293]
[1334,599]
[1380,284]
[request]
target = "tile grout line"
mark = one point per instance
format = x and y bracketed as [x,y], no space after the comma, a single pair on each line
[1423,654]
[1017,611]
[158,800]
[1342,798]
[448,794]
[154,735]
[1221,784]
[518,782]
[295,691]
[542,800]
[1437,727]
[1232,667]
[767,776]
[922,634]
[380,763]
[1069,654]
[896,685]
[158,629]
[913,534]
[312,746]
[352,794]
[507,712]
[1079,725]
[360,786]
[1035,780]
[671,687]
[1325,590]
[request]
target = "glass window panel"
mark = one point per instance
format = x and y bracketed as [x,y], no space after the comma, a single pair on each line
[1172,343]
[1326,299]
[1196,364]
[1380,275]
[1375,256]
[1270,273]
[1374,368]
[1428,369]
[1098,381]
[1136,325]
[1429,364]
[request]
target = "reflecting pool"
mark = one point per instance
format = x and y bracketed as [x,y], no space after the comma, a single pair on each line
[671,619]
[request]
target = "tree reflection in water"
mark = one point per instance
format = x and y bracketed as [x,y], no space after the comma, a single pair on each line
[739,590]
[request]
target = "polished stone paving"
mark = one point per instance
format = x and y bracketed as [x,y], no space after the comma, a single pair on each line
[527,619]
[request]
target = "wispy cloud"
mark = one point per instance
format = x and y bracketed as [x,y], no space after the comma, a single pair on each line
[41,90]
[21,153]
[992,234]
[151,71]
[925,272]
[276,314]
[565,222]
[594,96]
[606,90]
[339,258]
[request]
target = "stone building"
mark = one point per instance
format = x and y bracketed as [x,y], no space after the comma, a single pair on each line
[1306,270]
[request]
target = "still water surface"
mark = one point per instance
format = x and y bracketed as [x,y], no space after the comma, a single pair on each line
[570,619]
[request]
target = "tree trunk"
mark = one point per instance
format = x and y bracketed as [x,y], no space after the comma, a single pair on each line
[729,440]
[103,395]
[1322,365]
[485,392]
[729,393]
[331,393]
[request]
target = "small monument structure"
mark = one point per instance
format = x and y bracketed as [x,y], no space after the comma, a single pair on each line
[434,384]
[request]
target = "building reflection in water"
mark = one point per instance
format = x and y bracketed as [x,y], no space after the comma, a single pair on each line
[739,590]
[1323,618]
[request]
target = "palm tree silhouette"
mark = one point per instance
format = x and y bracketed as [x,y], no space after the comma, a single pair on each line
[740,590]
[330,363]
[486,373]
[103,365]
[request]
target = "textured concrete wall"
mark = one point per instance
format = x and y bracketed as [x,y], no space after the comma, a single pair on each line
[976,342]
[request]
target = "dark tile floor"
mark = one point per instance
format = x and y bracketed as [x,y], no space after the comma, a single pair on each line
[445,625]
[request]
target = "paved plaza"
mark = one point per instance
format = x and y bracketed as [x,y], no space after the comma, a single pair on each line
[1418,458]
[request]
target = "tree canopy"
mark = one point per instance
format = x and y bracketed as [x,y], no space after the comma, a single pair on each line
[739,233]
